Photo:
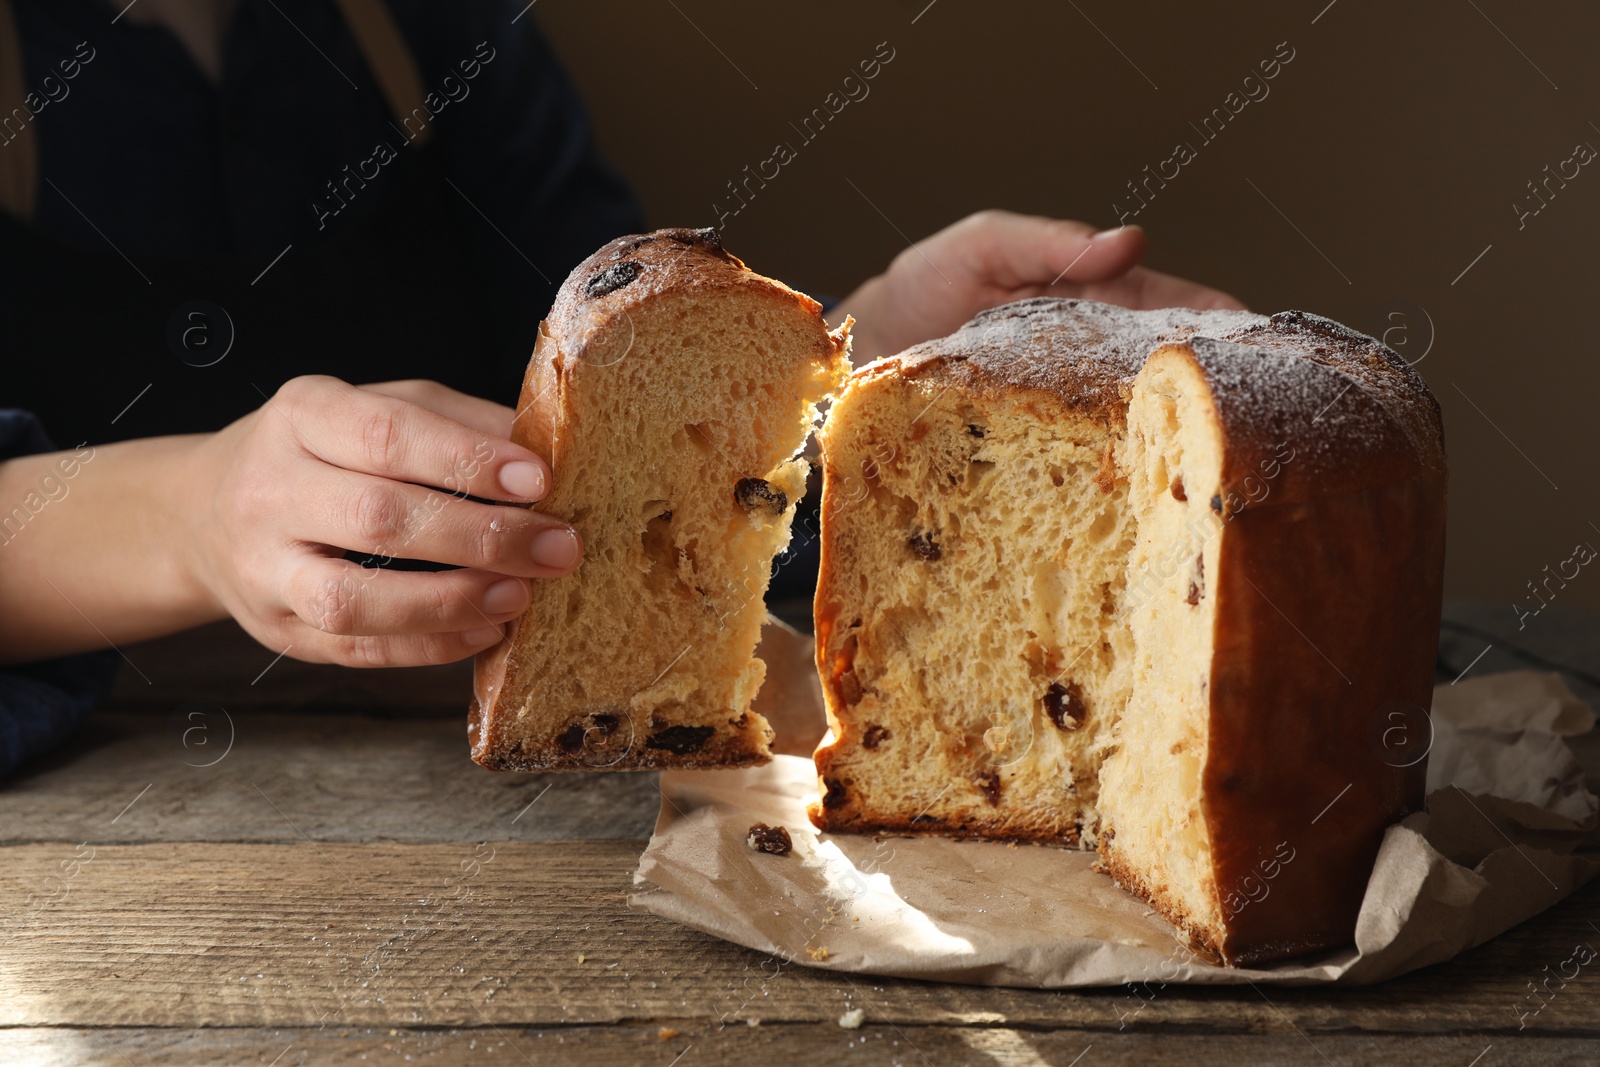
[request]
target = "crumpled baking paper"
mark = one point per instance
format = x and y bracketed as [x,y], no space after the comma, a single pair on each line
[1506,808]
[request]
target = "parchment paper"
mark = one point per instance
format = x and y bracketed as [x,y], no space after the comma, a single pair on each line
[1506,809]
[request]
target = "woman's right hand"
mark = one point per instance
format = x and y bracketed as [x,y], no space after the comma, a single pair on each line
[325,467]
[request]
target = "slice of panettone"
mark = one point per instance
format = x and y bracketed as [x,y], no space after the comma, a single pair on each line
[672,389]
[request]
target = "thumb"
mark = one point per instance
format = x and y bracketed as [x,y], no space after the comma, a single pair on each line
[1012,251]
[1099,257]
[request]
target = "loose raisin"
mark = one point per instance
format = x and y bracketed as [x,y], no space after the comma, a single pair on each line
[612,278]
[773,840]
[1064,704]
[924,546]
[756,494]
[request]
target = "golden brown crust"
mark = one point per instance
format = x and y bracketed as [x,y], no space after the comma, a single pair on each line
[1299,720]
[1359,410]
[1077,353]
[1367,365]
[618,752]
[629,271]
[590,316]
[1354,414]
[1033,832]
[590,325]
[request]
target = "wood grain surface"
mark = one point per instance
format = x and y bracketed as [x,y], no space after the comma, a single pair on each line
[818,1044]
[329,777]
[305,868]
[213,934]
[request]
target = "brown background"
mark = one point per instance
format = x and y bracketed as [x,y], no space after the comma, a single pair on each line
[1397,140]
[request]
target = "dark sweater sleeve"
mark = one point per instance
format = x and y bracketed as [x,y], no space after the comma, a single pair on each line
[533,194]
[42,703]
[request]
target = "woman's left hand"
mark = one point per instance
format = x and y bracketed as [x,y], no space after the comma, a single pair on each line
[995,257]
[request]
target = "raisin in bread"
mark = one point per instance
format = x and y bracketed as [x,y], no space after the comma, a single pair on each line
[1152,581]
[672,390]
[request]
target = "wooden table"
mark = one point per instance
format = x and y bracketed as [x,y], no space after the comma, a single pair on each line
[249,861]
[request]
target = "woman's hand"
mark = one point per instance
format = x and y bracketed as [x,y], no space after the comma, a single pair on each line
[995,257]
[325,467]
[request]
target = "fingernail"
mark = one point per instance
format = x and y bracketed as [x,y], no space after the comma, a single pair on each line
[1106,234]
[557,549]
[483,635]
[508,594]
[523,479]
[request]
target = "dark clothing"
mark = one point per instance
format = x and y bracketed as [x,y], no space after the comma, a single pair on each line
[290,197]
[194,245]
